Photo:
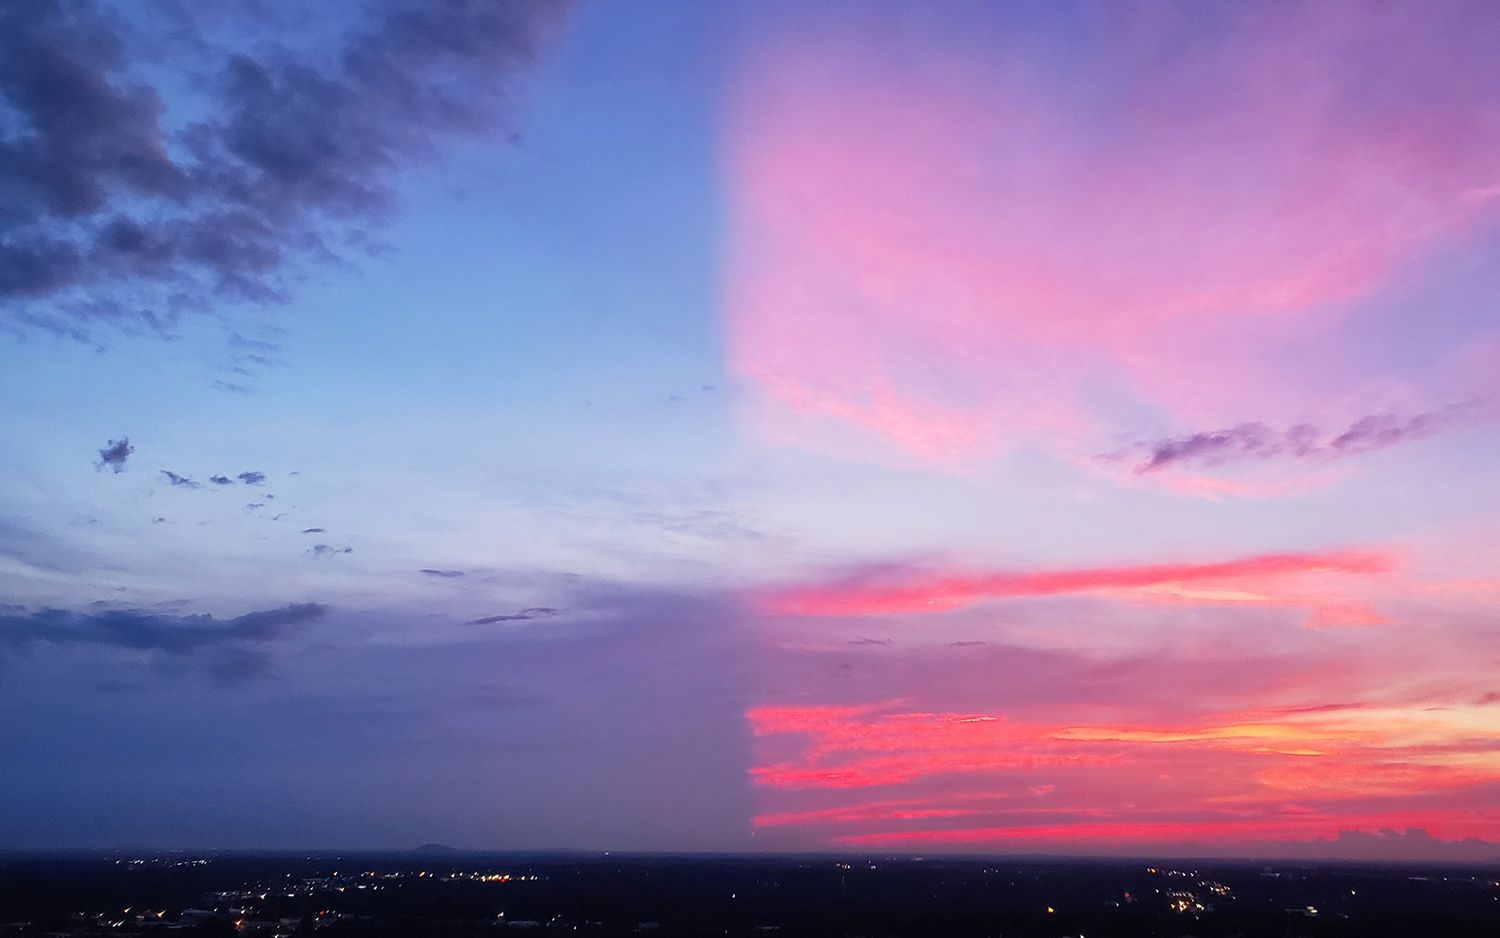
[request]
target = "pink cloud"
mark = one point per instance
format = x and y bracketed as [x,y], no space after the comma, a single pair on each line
[1266,579]
[1271,774]
[961,253]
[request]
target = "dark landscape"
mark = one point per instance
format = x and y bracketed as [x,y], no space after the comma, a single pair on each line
[453,893]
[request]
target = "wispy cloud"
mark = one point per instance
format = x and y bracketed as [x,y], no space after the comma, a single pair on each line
[252,477]
[1254,441]
[535,612]
[179,481]
[445,574]
[875,309]
[1247,580]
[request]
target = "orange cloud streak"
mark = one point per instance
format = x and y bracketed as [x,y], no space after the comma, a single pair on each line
[946,592]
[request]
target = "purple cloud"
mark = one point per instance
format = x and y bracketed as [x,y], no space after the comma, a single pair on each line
[112,214]
[535,612]
[115,453]
[179,481]
[1255,441]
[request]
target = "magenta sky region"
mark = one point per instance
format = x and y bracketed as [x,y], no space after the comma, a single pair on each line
[1138,260]
[1055,427]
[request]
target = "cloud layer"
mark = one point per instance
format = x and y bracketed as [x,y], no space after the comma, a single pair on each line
[117,209]
[151,631]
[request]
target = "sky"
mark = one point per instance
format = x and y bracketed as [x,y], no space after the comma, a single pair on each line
[1059,428]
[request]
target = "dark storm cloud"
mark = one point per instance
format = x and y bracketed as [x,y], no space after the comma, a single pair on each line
[445,574]
[535,612]
[221,480]
[1254,441]
[115,453]
[110,213]
[152,631]
[180,481]
[252,477]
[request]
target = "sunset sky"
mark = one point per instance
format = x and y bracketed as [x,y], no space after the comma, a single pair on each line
[1032,427]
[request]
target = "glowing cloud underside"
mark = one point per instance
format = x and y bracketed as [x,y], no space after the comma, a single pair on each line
[983,779]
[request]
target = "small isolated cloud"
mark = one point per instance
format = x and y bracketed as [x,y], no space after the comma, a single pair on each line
[252,477]
[445,574]
[221,480]
[534,612]
[180,481]
[328,550]
[114,454]
[254,505]
[869,641]
[314,530]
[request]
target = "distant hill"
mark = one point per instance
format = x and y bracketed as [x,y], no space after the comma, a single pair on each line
[435,848]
